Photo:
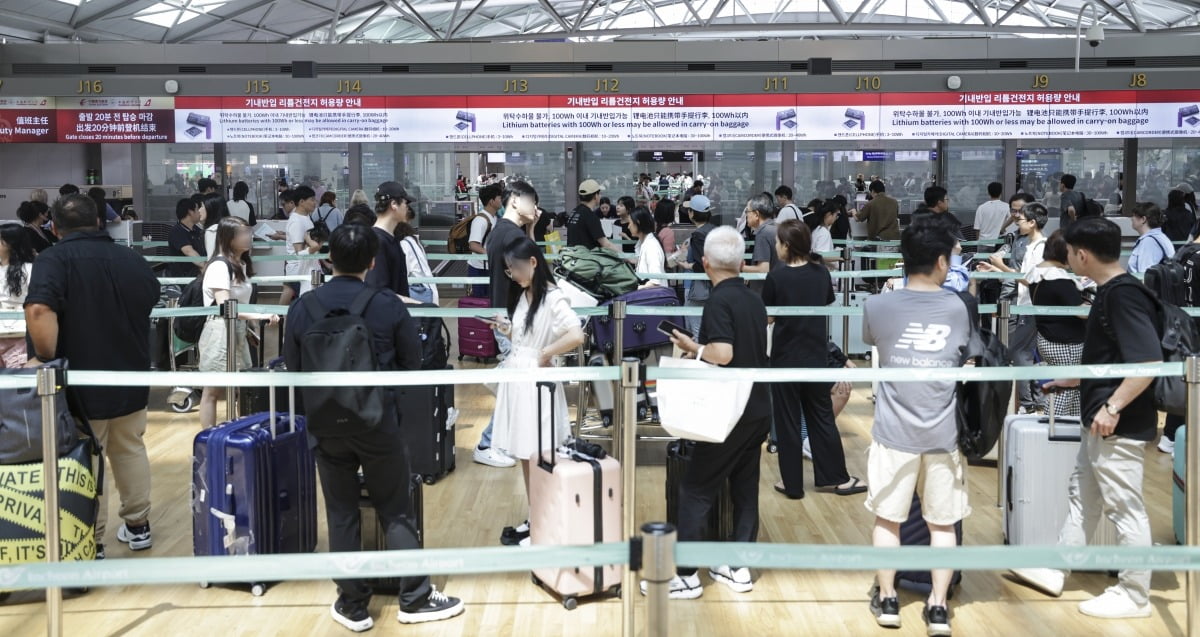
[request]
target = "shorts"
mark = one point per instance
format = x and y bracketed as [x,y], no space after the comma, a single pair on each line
[893,476]
[213,344]
[295,286]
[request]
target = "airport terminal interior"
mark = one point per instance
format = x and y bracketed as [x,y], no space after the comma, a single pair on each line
[707,103]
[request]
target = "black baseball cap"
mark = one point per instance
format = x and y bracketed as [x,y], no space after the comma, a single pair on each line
[391,190]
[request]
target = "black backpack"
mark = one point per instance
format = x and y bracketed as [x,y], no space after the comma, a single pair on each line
[435,340]
[1168,279]
[982,405]
[1091,208]
[1180,339]
[188,328]
[340,341]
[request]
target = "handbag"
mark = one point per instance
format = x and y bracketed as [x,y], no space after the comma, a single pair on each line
[705,410]
[21,420]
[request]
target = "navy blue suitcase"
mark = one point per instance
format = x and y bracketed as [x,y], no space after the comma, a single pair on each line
[641,332]
[254,489]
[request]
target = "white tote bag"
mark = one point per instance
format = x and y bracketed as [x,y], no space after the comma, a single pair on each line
[704,410]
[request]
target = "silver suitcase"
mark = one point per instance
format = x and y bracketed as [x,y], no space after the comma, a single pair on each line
[1039,458]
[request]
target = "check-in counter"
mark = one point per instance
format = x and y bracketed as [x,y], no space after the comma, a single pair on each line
[272,267]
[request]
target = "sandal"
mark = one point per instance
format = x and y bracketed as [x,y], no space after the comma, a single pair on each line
[789,496]
[855,488]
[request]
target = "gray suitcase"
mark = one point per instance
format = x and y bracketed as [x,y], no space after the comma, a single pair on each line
[1039,458]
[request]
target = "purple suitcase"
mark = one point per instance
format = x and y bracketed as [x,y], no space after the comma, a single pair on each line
[254,489]
[475,338]
[641,332]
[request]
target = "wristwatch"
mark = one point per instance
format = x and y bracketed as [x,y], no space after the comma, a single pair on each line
[1112,411]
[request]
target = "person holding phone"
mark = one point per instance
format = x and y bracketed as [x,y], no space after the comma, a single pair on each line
[543,326]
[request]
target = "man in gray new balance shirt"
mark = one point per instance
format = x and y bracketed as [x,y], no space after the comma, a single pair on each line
[921,326]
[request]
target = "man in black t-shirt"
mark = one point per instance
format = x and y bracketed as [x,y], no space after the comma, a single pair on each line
[733,334]
[1119,419]
[391,266]
[186,238]
[583,226]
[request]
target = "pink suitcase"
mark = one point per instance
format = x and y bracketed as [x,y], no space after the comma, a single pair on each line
[574,500]
[475,338]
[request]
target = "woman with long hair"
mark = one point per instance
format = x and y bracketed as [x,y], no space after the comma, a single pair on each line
[543,326]
[226,276]
[239,207]
[16,261]
[417,260]
[215,209]
[34,215]
[650,256]
[803,341]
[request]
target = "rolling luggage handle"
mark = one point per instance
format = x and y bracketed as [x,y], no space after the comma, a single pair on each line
[542,464]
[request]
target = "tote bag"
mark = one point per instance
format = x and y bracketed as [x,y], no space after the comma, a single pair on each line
[704,410]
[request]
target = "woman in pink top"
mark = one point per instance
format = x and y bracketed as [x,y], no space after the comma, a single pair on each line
[664,216]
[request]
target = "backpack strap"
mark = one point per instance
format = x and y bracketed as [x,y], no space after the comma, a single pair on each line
[359,305]
[1106,324]
[316,311]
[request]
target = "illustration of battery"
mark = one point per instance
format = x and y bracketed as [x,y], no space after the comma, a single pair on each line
[1188,114]
[201,121]
[858,116]
[465,119]
[785,118]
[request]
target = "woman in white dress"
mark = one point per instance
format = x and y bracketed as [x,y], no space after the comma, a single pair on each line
[543,326]
[416,260]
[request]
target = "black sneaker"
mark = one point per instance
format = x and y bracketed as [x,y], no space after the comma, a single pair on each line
[352,615]
[886,611]
[513,536]
[937,621]
[437,606]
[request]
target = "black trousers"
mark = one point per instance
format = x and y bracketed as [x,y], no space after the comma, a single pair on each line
[829,458]
[1172,425]
[381,454]
[735,460]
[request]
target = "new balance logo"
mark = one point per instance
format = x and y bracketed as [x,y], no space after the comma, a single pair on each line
[924,338]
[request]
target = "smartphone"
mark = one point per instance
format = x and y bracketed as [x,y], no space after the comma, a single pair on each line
[666,327]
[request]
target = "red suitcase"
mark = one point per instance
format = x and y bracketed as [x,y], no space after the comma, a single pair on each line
[574,500]
[475,338]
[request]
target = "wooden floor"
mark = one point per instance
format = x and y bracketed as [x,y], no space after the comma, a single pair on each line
[469,508]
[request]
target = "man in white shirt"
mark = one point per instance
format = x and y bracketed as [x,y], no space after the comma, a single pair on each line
[787,209]
[489,198]
[992,216]
[298,225]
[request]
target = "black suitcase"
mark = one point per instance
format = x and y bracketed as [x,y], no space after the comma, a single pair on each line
[253,400]
[374,537]
[428,429]
[720,519]
[915,532]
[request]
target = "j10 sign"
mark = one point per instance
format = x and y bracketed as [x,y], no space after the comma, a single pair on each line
[529,118]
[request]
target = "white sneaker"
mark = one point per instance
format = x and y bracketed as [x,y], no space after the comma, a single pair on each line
[1166,445]
[682,587]
[1113,604]
[493,457]
[737,579]
[1047,580]
[807,449]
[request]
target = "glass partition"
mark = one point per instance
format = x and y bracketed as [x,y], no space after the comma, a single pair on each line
[1095,163]
[905,167]
[322,167]
[172,171]
[970,167]
[1164,164]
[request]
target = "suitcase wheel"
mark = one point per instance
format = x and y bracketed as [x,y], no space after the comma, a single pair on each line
[772,447]
[570,603]
[184,406]
[428,479]
[460,357]
[258,590]
[204,584]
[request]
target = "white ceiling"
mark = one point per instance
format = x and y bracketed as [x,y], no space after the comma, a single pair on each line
[324,21]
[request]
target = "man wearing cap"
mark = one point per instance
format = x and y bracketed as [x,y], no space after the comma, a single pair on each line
[391,267]
[700,209]
[583,227]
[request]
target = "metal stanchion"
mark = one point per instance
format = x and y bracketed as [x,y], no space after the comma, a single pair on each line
[1003,312]
[318,279]
[48,388]
[658,567]
[847,285]
[617,314]
[229,313]
[1192,488]
[582,396]
[628,444]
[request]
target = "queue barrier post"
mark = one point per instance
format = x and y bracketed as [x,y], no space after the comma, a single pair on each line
[658,567]
[628,444]
[229,313]
[617,313]
[1003,312]
[1192,488]
[48,387]
[847,285]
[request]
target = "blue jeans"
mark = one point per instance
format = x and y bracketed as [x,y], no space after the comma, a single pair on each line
[504,345]
[478,289]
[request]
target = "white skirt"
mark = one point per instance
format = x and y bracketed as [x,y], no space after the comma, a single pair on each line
[515,430]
